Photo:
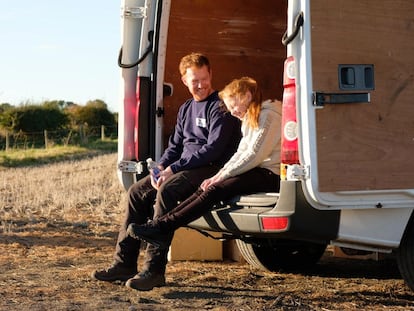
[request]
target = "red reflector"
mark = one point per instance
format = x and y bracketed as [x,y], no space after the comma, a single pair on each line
[275,223]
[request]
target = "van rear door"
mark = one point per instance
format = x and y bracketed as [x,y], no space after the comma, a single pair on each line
[355,90]
[144,27]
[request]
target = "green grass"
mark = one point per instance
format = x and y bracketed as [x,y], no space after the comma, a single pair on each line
[34,156]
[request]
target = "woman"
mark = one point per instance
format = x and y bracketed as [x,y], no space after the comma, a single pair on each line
[253,168]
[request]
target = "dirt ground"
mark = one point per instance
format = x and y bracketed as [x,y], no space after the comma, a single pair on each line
[46,265]
[58,223]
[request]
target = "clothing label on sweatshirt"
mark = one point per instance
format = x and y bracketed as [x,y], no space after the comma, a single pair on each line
[201,122]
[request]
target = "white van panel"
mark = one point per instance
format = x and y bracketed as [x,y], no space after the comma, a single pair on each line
[384,228]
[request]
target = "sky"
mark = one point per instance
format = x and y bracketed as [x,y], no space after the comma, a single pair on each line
[60,50]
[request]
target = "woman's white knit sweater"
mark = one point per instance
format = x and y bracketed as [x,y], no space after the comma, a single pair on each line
[258,146]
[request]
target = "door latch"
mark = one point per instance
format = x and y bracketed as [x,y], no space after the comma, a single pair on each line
[320,98]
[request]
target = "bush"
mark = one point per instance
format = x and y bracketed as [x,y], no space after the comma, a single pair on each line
[34,118]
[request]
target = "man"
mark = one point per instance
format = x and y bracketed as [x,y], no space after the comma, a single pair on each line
[205,137]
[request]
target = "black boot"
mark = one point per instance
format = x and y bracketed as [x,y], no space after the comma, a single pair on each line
[146,280]
[114,273]
[150,233]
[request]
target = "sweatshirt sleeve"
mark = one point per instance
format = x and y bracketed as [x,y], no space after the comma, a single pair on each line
[255,146]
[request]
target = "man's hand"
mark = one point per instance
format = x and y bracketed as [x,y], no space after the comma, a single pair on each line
[154,180]
[164,175]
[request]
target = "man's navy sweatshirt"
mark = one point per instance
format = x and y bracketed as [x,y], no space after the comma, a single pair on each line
[205,134]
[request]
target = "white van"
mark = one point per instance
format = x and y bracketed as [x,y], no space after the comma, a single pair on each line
[346,76]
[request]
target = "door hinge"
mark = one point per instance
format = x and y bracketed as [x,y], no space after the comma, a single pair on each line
[135,12]
[297,172]
[320,98]
[131,167]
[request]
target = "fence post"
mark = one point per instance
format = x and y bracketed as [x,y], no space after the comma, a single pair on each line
[45,134]
[81,133]
[7,141]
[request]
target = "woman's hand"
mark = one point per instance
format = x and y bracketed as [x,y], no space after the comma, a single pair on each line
[210,182]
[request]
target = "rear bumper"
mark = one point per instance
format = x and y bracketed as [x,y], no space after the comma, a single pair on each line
[304,221]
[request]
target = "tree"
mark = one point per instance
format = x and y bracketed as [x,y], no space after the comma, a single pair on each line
[94,114]
[58,104]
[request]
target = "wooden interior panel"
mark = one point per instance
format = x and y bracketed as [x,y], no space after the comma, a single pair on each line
[366,146]
[239,37]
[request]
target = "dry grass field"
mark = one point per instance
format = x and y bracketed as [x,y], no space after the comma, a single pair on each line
[59,222]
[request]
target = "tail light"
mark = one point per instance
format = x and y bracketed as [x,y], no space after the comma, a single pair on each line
[275,223]
[136,112]
[289,148]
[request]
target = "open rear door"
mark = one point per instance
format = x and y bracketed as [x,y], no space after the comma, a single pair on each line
[356,110]
[144,27]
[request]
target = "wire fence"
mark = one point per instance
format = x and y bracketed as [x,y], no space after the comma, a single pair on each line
[45,139]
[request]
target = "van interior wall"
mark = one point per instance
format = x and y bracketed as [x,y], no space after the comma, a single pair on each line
[241,38]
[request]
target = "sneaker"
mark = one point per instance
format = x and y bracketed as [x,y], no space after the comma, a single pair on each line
[114,273]
[146,280]
[150,234]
